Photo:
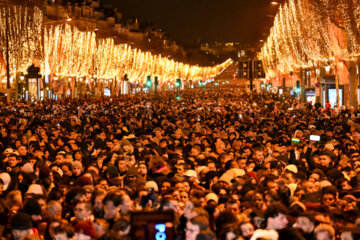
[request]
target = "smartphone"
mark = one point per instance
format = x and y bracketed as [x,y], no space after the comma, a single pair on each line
[315,138]
[295,140]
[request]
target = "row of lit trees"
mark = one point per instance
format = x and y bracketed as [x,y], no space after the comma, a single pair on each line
[313,34]
[64,51]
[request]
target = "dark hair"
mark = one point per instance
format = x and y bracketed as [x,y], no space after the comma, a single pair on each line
[117,199]
[65,228]
[275,209]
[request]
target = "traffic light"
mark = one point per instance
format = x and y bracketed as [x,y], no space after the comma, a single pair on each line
[178,83]
[156,81]
[148,81]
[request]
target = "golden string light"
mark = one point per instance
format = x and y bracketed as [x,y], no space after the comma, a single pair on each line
[23,26]
[65,51]
[304,35]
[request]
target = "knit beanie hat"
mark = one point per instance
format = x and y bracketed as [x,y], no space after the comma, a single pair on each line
[32,207]
[21,221]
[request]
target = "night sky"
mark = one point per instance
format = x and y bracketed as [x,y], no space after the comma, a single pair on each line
[187,21]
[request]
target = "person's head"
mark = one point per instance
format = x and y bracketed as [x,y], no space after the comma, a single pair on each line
[276,216]
[329,197]
[101,227]
[142,169]
[32,207]
[13,160]
[195,225]
[21,225]
[22,150]
[77,168]
[350,232]
[305,222]
[325,160]
[247,229]
[85,230]
[63,232]
[112,204]
[83,210]
[53,209]
[324,232]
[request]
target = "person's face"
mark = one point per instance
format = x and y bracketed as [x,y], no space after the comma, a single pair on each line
[329,200]
[81,213]
[192,231]
[188,208]
[194,152]
[69,158]
[66,170]
[314,178]
[110,145]
[259,155]
[184,196]
[12,161]
[78,156]
[20,234]
[22,151]
[127,206]
[325,160]
[258,201]
[242,164]
[81,236]
[103,184]
[247,229]
[122,166]
[76,170]
[324,235]
[304,224]
[212,166]
[110,210]
[180,170]
[234,208]
[179,186]
[60,158]
[163,144]
[186,186]
[346,236]
[165,186]
[98,202]
[61,236]
[280,221]
[142,170]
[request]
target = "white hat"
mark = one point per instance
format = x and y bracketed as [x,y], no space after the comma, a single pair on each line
[211,196]
[227,177]
[238,172]
[27,168]
[8,151]
[35,189]
[325,183]
[190,173]
[291,168]
[5,177]
[151,184]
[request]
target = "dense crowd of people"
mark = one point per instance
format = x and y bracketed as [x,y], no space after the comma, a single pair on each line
[229,165]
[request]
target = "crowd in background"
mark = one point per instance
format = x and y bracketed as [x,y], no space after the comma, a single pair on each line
[229,165]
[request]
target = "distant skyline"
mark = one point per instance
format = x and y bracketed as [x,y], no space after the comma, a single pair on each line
[188,21]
